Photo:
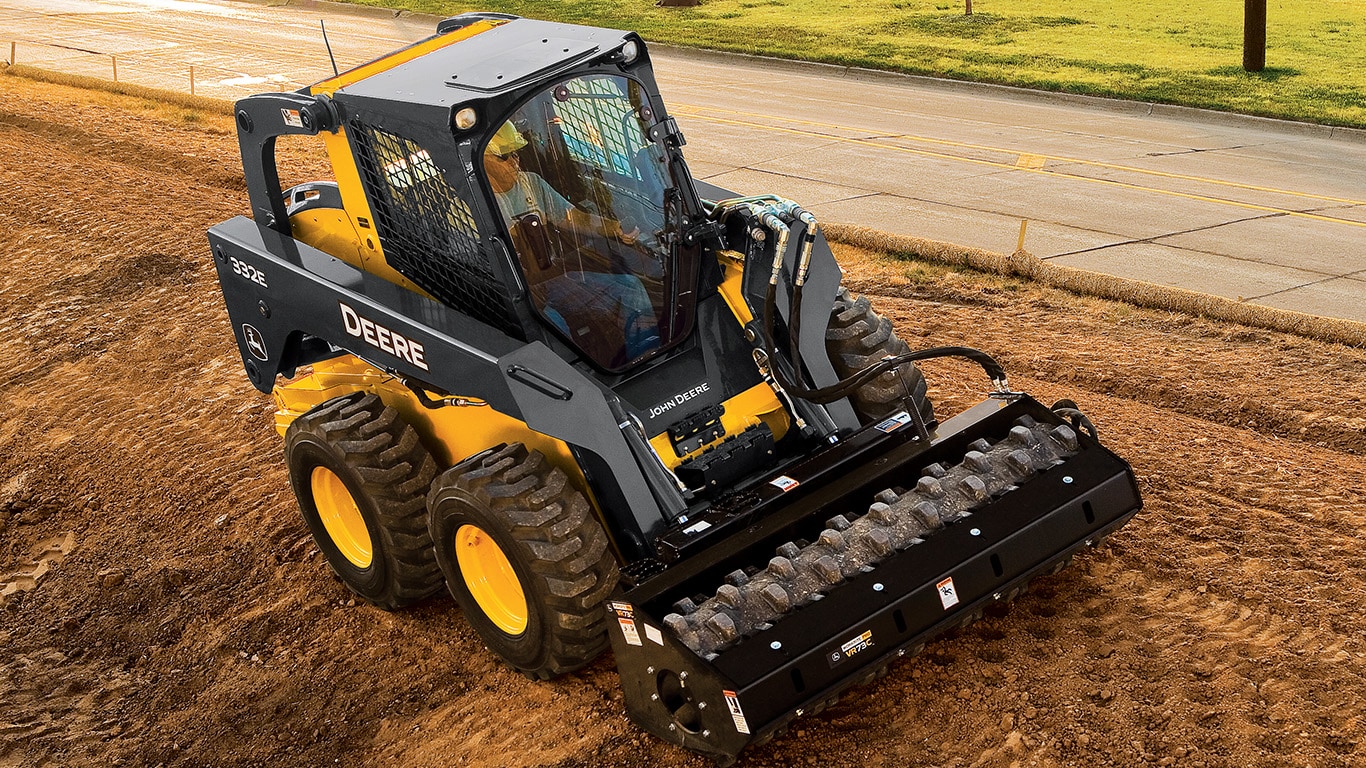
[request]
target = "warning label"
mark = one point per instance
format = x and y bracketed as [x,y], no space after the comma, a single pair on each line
[947,594]
[736,714]
[626,618]
[894,423]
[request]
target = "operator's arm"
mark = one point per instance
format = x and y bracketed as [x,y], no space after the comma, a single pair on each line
[583,221]
[559,209]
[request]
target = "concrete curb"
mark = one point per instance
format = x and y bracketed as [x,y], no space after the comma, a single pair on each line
[1099,103]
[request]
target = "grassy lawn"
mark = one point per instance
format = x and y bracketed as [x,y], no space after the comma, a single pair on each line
[1171,51]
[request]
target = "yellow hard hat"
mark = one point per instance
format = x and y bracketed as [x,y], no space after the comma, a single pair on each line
[506,141]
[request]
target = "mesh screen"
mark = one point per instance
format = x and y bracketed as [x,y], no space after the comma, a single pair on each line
[595,128]
[427,230]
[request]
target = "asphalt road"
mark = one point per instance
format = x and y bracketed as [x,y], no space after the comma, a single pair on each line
[1267,212]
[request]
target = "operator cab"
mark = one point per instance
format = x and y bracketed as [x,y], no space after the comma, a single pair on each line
[525,175]
[590,208]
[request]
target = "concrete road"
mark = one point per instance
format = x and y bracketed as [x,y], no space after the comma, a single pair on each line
[1268,212]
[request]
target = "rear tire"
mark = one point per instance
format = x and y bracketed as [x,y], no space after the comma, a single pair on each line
[361,476]
[525,559]
[858,337]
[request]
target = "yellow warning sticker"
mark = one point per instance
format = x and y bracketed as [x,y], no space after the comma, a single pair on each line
[736,714]
[947,594]
[626,619]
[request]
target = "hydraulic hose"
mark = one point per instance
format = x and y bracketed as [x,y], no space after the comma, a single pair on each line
[847,386]
[1068,410]
[799,280]
[444,400]
[770,212]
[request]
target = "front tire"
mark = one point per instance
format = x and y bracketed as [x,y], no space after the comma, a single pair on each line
[858,337]
[361,476]
[525,559]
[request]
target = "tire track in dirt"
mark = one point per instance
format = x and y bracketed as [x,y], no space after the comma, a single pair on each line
[46,555]
[147,157]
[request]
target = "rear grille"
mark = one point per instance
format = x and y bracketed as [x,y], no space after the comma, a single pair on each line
[427,230]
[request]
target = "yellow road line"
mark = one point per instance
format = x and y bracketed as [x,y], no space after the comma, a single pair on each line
[696,112]
[1045,171]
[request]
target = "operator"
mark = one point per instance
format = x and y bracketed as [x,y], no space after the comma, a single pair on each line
[521,192]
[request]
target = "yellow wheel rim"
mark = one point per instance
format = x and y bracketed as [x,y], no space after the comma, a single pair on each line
[490,579]
[341,517]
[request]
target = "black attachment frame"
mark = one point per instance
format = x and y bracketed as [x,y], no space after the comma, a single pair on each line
[807,658]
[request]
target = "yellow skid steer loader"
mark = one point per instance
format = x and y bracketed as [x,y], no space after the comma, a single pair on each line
[519,353]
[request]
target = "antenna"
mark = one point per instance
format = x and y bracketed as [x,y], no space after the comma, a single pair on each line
[323,24]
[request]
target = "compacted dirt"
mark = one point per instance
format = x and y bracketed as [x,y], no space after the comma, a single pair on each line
[161,602]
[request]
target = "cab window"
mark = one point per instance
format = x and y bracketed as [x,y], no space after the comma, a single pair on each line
[586,202]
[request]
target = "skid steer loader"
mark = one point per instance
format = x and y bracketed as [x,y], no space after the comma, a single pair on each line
[518,352]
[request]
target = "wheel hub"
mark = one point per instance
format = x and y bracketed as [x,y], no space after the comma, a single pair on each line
[491,580]
[341,517]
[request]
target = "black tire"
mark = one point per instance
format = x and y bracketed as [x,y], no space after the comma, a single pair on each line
[375,458]
[858,337]
[557,552]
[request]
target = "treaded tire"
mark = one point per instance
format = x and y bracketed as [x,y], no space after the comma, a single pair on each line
[858,337]
[387,472]
[547,532]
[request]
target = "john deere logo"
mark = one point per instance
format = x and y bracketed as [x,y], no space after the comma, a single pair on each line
[256,343]
[850,648]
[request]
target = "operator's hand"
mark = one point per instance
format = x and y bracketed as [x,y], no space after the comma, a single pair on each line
[630,238]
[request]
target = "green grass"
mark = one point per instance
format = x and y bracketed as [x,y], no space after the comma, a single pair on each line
[1169,51]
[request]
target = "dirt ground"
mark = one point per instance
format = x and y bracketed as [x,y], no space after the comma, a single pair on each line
[163,603]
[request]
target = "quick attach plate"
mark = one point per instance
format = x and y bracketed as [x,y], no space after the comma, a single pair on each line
[721,465]
[697,430]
